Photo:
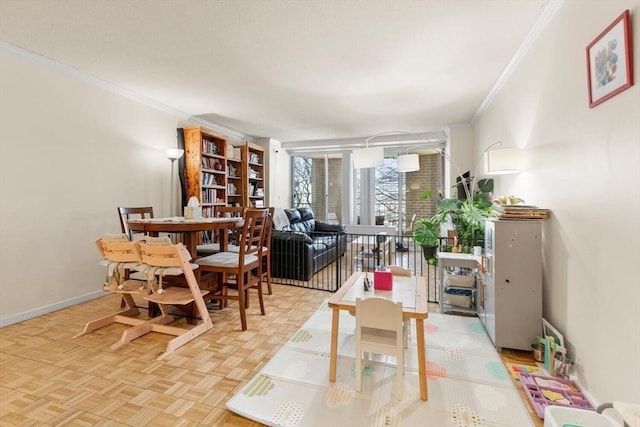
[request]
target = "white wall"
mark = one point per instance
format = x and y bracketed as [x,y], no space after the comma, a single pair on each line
[459,148]
[584,165]
[278,173]
[71,153]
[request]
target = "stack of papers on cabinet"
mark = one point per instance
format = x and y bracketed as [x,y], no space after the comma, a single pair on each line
[520,212]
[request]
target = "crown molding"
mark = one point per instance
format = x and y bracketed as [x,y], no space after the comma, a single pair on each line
[548,11]
[110,87]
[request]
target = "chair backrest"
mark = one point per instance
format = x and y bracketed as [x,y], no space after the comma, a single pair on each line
[125,214]
[379,313]
[396,270]
[253,229]
[230,212]
[168,260]
[156,255]
[266,241]
[117,250]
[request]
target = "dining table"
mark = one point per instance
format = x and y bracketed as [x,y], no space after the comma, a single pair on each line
[191,229]
[410,290]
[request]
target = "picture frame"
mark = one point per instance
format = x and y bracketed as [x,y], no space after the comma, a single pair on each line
[549,331]
[609,61]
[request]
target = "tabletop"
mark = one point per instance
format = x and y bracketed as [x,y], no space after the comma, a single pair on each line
[190,228]
[410,290]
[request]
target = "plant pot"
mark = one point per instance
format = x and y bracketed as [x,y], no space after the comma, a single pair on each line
[429,252]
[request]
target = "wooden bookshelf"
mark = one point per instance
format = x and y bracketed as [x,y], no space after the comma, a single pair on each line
[254,175]
[205,167]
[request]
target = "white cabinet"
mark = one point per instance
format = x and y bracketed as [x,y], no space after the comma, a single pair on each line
[457,273]
[510,290]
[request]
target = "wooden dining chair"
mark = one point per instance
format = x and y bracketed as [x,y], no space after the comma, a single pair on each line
[245,266]
[126,213]
[379,329]
[221,212]
[266,251]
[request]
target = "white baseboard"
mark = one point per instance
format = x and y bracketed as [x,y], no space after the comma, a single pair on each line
[10,320]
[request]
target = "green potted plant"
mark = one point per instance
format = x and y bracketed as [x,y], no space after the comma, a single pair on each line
[427,235]
[468,215]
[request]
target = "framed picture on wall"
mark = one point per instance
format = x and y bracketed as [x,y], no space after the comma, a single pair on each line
[609,61]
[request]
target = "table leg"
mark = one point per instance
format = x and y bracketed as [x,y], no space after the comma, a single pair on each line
[422,363]
[190,240]
[334,345]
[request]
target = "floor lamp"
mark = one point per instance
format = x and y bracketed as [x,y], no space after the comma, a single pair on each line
[173,154]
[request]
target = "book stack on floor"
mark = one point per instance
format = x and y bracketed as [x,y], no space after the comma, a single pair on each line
[520,212]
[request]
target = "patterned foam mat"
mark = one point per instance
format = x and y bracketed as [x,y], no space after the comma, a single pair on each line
[468,384]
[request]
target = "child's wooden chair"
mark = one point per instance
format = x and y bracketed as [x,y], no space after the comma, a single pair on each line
[379,329]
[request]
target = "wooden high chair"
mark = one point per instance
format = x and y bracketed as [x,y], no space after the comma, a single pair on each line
[154,260]
[119,258]
[157,261]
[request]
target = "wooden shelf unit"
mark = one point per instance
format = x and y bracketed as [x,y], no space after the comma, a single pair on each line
[253,175]
[205,166]
[219,174]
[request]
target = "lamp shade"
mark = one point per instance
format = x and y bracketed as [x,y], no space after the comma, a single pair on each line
[503,161]
[408,163]
[174,153]
[368,157]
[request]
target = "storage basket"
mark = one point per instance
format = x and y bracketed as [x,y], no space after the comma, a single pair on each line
[460,280]
[458,297]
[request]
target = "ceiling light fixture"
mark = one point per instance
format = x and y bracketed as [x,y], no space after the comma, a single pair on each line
[408,163]
[374,156]
[368,157]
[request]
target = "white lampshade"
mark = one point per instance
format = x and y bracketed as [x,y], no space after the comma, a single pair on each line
[368,157]
[408,163]
[503,161]
[174,153]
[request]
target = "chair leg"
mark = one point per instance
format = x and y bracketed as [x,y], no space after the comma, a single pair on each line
[241,300]
[266,267]
[399,375]
[260,297]
[405,330]
[358,370]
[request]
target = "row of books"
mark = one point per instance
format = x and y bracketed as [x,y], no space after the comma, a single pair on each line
[520,212]
[211,163]
[210,195]
[208,179]
[210,147]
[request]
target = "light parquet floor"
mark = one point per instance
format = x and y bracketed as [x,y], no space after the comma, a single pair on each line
[49,378]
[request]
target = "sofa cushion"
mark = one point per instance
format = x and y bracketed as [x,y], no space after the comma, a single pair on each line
[293,215]
[305,214]
[301,220]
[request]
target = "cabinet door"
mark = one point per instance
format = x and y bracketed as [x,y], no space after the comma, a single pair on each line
[517,282]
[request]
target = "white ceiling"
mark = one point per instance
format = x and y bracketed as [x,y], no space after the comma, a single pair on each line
[290,70]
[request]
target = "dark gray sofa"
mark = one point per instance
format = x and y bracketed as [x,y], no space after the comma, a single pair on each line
[305,245]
